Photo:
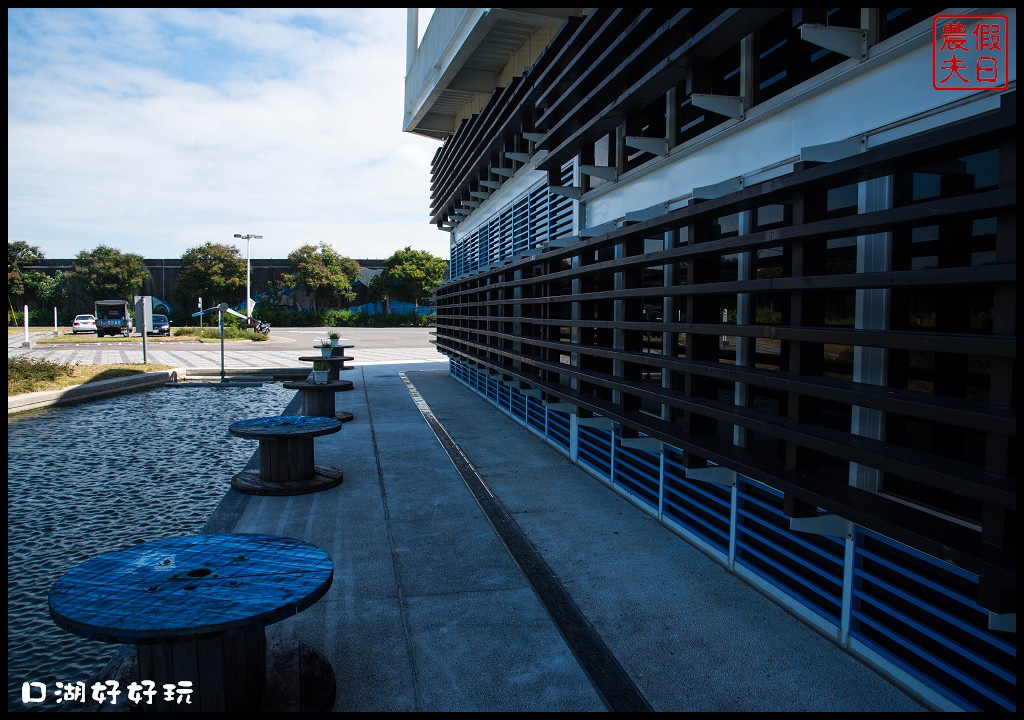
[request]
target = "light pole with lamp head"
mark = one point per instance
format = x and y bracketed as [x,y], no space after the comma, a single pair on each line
[248,273]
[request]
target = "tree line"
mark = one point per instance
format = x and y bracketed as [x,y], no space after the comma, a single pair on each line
[217,272]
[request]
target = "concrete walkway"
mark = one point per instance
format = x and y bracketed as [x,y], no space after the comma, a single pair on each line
[439,604]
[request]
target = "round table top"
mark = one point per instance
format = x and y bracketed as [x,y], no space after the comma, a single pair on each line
[284,426]
[331,359]
[190,587]
[320,347]
[329,386]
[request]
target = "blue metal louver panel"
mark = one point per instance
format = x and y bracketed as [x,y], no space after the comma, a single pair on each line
[459,259]
[921,615]
[483,240]
[520,224]
[595,450]
[501,242]
[535,414]
[538,216]
[638,473]
[558,428]
[559,216]
[699,507]
[807,567]
[493,387]
[518,406]
[560,207]
[504,396]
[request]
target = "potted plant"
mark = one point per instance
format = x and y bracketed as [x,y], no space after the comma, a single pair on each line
[326,348]
[320,370]
[335,338]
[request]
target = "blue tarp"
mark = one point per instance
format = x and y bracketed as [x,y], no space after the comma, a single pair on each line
[397,308]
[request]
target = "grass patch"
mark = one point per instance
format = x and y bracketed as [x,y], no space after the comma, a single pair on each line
[25,375]
[230,333]
[179,335]
[92,339]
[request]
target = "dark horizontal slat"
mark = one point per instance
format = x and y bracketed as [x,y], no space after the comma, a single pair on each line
[467,155]
[976,205]
[964,343]
[968,414]
[629,36]
[613,96]
[924,278]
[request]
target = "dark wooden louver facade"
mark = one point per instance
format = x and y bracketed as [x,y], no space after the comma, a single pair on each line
[836,327]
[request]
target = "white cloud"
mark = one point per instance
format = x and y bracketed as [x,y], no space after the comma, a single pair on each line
[158,130]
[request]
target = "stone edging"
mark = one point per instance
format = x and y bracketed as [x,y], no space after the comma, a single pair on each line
[90,391]
[103,388]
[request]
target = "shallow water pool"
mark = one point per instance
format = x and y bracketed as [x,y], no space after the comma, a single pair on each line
[99,476]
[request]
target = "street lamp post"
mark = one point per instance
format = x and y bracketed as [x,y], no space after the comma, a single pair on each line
[248,273]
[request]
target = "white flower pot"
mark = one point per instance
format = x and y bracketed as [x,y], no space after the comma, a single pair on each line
[320,377]
[335,342]
[326,352]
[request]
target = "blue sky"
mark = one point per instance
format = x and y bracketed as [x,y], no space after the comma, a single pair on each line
[157,130]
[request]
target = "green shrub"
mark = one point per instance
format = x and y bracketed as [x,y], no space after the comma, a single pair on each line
[213,333]
[281,317]
[25,374]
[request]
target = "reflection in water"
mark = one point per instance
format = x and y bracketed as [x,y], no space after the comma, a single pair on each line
[100,476]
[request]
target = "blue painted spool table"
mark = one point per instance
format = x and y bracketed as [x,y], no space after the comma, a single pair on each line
[196,608]
[287,464]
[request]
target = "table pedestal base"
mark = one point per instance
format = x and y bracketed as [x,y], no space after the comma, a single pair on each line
[299,679]
[323,478]
[227,671]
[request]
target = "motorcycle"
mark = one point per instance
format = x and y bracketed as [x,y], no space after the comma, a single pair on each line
[262,327]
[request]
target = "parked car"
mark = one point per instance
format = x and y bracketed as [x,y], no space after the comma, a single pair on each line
[161,325]
[83,324]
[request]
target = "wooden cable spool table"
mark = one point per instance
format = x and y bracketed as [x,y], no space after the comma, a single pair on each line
[286,455]
[338,349]
[318,398]
[337,363]
[196,608]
